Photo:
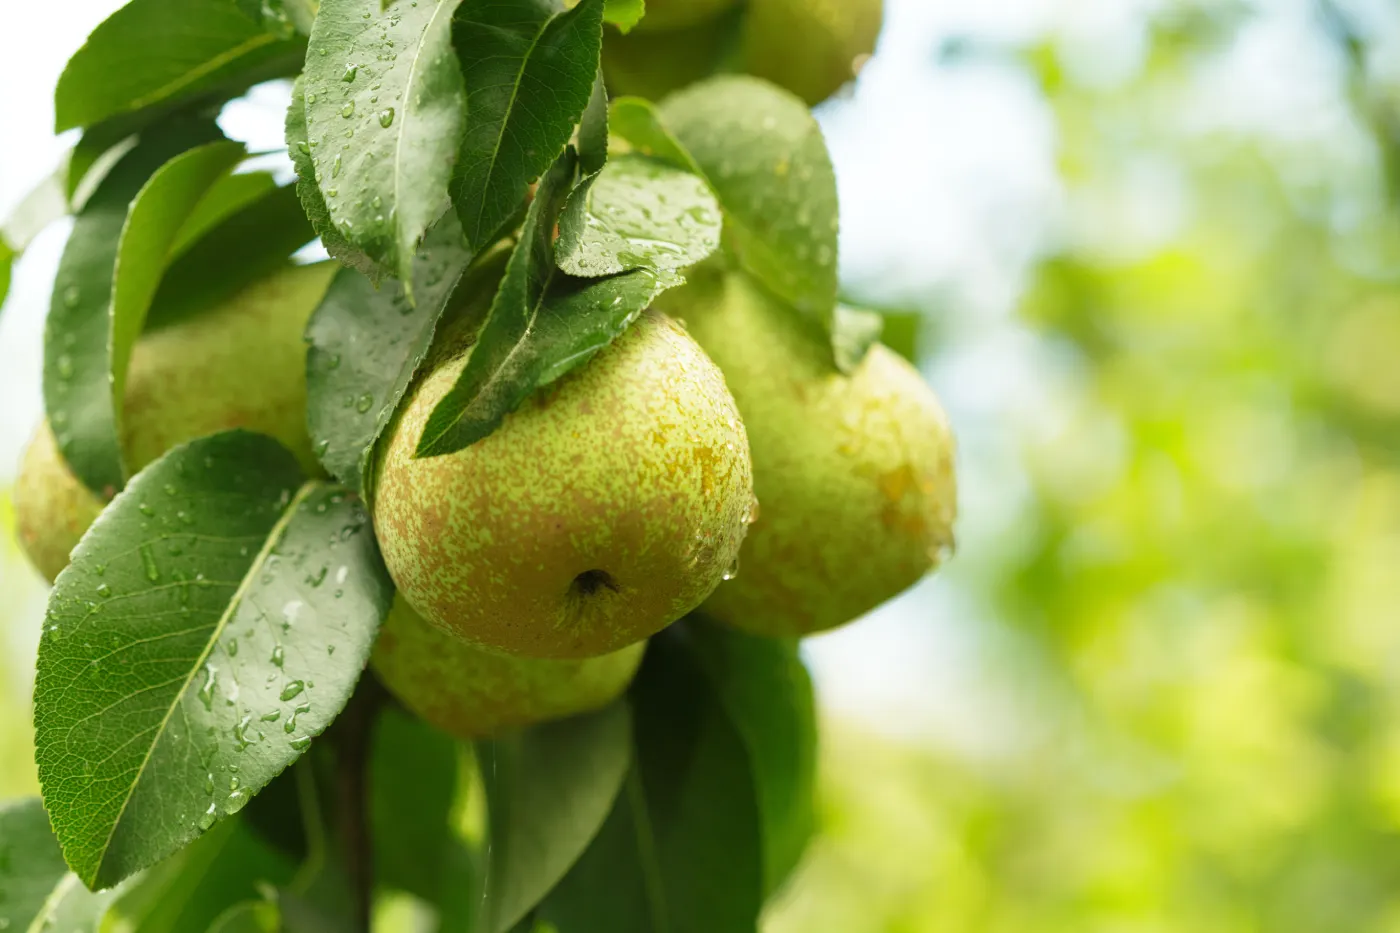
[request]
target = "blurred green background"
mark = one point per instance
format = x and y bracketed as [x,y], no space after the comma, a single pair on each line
[1153,253]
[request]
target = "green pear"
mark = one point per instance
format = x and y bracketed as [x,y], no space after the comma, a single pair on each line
[810,47]
[610,504]
[241,364]
[854,473]
[653,64]
[473,693]
[678,14]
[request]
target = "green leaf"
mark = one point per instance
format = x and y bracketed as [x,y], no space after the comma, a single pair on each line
[854,332]
[94,155]
[31,865]
[412,787]
[767,693]
[212,621]
[529,72]
[190,891]
[385,102]
[638,213]
[106,279]
[636,120]
[228,195]
[300,148]
[244,247]
[44,204]
[624,14]
[366,344]
[548,789]
[682,849]
[593,130]
[249,917]
[764,155]
[282,17]
[151,55]
[7,261]
[543,324]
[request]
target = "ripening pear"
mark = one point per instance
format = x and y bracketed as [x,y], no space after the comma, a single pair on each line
[677,14]
[473,693]
[653,64]
[810,47]
[241,364]
[610,504]
[853,473]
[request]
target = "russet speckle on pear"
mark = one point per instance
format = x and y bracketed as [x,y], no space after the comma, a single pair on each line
[473,693]
[241,364]
[854,473]
[610,504]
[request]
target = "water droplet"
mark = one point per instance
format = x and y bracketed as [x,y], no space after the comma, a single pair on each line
[233,647]
[206,692]
[348,110]
[332,192]
[319,577]
[291,610]
[99,569]
[322,447]
[104,590]
[148,561]
[207,819]
[732,570]
[240,732]
[386,117]
[364,403]
[333,362]
[351,69]
[335,167]
[65,367]
[279,656]
[272,716]
[303,147]
[311,97]
[292,690]
[301,744]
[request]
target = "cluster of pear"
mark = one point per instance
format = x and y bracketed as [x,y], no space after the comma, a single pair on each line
[533,565]
[810,47]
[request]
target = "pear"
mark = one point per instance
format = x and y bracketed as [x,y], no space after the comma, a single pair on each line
[241,364]
[610,504]
[653,64]
[473,693]
[677,14]
[810,47]
[854,473]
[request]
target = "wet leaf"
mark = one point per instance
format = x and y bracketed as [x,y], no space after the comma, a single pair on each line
[212,622]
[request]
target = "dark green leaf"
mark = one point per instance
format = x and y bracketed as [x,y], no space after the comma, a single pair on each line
[765,157]
[227,196]
[94,155]
[529,71]
[153,54]
[31,865]
[191,890]
[593,130]
[384,101]
[767,692]
[301,148]
[366,344]
[7,261]
[548,790]
[244,247]
[412,785]
[638,213]
[853,333]
[542,324]
[212,622]
[103,290]
[682,850]
[624,14]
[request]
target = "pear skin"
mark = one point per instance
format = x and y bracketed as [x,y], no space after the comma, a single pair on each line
[241,364]
[472,693]
[810,47]
[653,64]
[678,14]
[854,473]
[610,504]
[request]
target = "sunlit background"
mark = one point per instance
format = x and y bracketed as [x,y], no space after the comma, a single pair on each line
[1155,251]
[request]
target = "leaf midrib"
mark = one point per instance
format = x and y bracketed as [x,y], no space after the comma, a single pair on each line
[274,535]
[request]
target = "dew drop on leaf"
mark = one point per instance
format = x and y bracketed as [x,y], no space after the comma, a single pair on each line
[348,110]
[351,69]
[292,690]
[148,561]
[386,117]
